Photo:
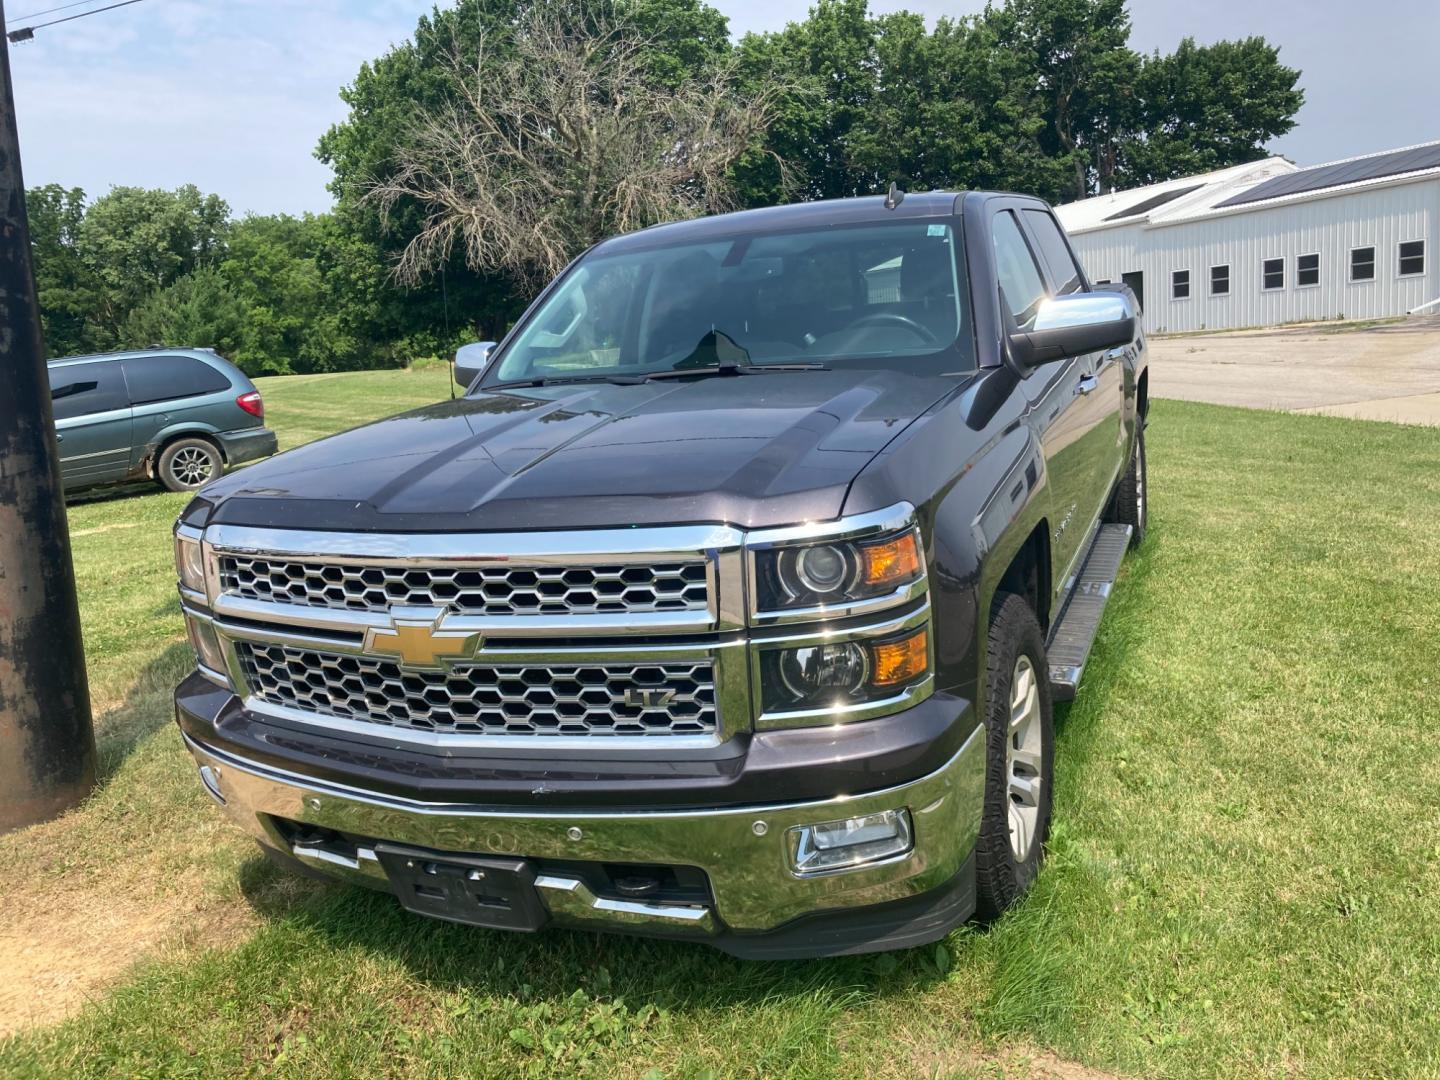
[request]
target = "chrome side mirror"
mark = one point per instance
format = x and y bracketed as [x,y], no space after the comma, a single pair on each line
[471,361]
[1072,325]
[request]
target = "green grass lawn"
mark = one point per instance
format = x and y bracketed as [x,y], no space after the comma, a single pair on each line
[1243,878]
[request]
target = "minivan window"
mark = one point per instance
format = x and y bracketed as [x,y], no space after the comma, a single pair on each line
[165,378]
[81,389]
[871,296]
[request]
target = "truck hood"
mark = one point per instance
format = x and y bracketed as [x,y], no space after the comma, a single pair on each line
[749,450]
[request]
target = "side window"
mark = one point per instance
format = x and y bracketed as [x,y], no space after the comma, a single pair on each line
[1362,264]
[1064,273]
[1015,267]
[1412,257]
[1307,270]
[1220,280]
[166,378]
[82,389]
[1272,274]
[1180,284]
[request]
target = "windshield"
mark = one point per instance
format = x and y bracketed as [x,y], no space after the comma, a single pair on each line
[875,296]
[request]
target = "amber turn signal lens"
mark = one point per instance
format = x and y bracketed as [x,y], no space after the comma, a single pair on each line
[902,661]
[893,560]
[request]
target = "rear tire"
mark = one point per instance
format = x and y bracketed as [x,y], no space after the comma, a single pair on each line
[188,464]
[1019,758]
[1131,505]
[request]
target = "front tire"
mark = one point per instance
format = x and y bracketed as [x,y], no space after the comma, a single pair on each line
[188,464]
[1019,758]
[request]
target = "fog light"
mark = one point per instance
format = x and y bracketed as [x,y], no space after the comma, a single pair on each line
[850,843]
[206,646]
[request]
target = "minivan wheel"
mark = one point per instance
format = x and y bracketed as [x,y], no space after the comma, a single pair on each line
[187,464]
[1019,758]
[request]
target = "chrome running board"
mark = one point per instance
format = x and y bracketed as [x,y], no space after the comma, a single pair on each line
[1073,633]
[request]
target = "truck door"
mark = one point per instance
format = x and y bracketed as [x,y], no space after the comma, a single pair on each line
[1053,392]
[92,422]
[1101,389]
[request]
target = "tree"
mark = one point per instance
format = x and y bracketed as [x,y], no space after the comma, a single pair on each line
[66,288]
[560,134]
[1084,76]
[952,110]
[198,309]
[682,37]
[825,70]
[1205,107]
[137,241]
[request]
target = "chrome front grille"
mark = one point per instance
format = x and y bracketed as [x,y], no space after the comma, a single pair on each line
[498,590]
[591,699]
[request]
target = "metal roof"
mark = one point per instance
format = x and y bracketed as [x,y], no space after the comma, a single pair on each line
[1351,171]
[1155,203]
[1146,205]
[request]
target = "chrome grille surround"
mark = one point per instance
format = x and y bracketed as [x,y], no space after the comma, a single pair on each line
[722,638]
[470,590]
[514,699]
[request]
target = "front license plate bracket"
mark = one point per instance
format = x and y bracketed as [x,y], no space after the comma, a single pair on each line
[478,890]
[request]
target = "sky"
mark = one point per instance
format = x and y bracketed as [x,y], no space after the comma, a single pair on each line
[231,95]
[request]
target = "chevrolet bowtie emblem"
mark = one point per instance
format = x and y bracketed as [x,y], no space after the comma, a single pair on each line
[415,637]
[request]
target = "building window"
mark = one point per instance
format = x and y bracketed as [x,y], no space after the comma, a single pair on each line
[1180,284]
[1272,274]
[1412,258]
[1220,280]
[1307,271]
[1362,264]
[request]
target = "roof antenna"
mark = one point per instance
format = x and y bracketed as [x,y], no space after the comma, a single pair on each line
[894,197]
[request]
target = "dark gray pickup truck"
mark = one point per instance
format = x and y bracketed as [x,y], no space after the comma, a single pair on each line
[728,604]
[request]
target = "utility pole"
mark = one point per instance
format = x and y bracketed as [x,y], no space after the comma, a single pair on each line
[47,744]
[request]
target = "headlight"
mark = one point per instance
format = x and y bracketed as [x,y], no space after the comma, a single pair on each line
[835,572]
[189,563]
[834,675]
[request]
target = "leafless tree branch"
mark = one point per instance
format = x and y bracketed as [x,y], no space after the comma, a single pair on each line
[560,136]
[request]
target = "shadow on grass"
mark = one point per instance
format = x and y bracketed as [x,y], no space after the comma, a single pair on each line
[551,964]
[112,493]
[147,708]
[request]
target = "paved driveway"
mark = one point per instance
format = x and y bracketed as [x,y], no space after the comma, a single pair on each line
[1387,372]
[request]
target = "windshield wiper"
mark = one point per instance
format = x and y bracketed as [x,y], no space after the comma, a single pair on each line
[735,369]
[562,380]
[730,358]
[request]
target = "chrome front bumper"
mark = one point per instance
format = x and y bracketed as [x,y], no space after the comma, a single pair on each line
[744,851]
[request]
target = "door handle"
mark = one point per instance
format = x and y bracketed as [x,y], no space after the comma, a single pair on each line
[1086,384]
[59,437]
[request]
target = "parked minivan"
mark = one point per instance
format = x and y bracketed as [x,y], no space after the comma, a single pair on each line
[176,416]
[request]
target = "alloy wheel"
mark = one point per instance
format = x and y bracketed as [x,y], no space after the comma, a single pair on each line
[1023,755]
[191,466]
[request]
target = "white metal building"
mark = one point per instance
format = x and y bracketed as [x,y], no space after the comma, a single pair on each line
[1268,242]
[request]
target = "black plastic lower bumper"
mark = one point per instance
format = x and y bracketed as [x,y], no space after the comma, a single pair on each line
[797,764]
